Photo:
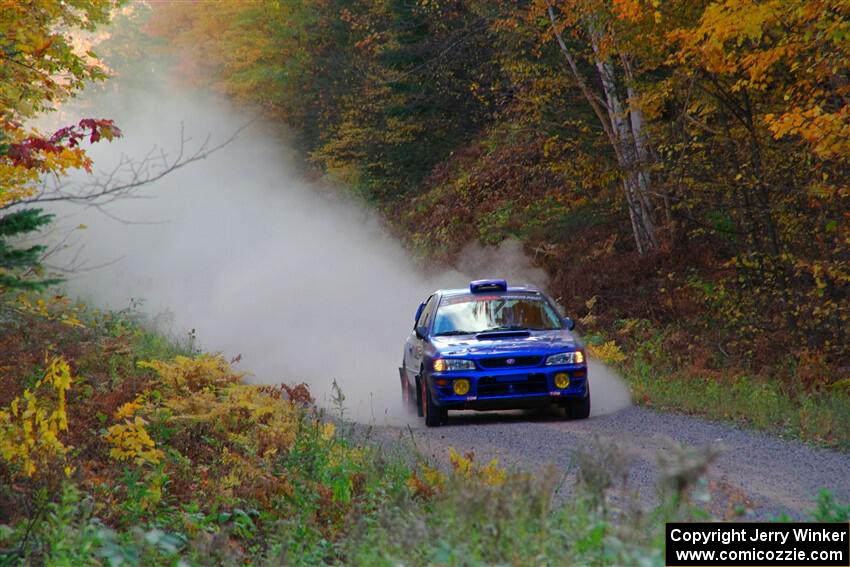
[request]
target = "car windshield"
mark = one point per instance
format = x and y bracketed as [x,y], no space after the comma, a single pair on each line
[467,314]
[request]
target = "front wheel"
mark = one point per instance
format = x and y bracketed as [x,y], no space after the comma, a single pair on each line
[434,415]
[578,408]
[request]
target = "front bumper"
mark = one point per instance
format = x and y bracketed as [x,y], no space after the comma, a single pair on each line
[512,388]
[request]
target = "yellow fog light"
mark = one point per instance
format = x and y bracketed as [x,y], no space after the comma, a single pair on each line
[461,386]
[562,380]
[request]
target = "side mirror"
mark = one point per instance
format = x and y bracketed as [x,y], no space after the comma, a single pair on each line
[419,312]
[421,332]
[569,324]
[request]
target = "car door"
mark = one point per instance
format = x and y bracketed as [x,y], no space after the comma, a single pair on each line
[415,347]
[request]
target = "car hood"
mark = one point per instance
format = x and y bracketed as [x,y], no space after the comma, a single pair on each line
[538,341]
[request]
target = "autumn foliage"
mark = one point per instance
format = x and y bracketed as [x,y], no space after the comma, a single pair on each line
[155,433]
[684,163]
[43,64]
[31,425]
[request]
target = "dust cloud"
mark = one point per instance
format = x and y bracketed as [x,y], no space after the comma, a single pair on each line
[304,284]
[608,391]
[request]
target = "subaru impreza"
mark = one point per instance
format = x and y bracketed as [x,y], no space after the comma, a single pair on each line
[492,346]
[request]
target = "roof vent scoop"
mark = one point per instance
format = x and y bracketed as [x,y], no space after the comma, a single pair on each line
[480,286]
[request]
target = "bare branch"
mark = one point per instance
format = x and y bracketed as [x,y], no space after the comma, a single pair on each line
[126,177]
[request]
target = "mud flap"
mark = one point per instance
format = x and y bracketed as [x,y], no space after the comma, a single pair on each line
[405,387]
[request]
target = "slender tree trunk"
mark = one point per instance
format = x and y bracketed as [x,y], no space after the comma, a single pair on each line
[625,132]
[632,157]
[639,135]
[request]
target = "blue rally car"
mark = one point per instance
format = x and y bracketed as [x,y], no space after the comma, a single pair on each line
[492,347]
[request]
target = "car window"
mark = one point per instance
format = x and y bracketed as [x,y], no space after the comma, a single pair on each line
[479,313]
[425,316]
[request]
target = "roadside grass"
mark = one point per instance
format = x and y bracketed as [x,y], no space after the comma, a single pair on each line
[818,418]
[790,400]
[169,458]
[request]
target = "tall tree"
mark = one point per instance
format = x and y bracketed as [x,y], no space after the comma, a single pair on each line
[770,88]
[587,36]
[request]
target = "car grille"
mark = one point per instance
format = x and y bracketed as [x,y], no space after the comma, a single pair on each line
[517,361]
[520,384]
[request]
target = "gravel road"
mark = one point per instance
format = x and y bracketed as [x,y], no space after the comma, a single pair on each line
[761,473]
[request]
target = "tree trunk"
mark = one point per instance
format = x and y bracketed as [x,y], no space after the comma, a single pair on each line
[632,157]
[625,133]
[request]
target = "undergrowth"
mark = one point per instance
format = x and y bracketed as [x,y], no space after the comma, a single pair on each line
[668,369]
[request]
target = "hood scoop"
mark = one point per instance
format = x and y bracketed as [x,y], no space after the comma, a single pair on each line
[502,335]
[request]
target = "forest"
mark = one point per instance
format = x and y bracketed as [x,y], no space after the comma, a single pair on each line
[680,169]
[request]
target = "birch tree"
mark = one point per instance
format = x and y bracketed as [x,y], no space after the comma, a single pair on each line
[613,96]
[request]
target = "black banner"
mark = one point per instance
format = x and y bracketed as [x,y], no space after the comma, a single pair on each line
[758,544]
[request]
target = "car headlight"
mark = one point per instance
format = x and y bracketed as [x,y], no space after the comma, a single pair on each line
[452,364]
[574,357]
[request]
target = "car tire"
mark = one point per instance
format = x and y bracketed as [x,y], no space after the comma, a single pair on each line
[578,408]
[434,415]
